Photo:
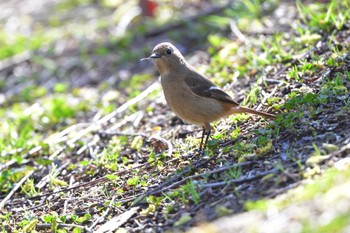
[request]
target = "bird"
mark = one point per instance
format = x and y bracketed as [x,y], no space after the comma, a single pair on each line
[191,95]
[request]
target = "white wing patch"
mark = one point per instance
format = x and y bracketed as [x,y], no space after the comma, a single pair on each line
[213,88]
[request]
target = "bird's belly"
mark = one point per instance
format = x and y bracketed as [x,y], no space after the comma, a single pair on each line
[192,108]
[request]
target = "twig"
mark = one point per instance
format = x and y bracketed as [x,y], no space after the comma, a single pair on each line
[71,182]
[231,141]
[103,215]
[268,96]
[125,20]
[283,190]
[176,184]
[267,80]
[138,119]
[87,145]
[58,137]
[3,202]
[97,181]
[13,161]
[122,108]
[238,33]
[160,188]
[44,180]
[57,152]
[245,180]
[125,120]
[8,164]
[95,125]
[12,152]
[104,133]
[14,60]
[117,221]
[294,61]
[342,150]
[243,164]
[240,180]
[60,225]
[320,77]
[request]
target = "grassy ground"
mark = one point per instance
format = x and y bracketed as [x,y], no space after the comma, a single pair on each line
[87,141]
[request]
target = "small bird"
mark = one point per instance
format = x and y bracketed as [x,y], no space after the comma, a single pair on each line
[191,95]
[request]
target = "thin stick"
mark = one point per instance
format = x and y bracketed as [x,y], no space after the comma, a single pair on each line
[117,221]
[13,61]
[97,181]
[46,179]
[13,161]
[60,225]
[118,133]
[71,182]
[180,182]
[294,61]
[240,180]
[59,137]
[343,149]
[103,215]
[3,202]
[245,180]
[238,33]
[268,96]
[122,108]
[172,181]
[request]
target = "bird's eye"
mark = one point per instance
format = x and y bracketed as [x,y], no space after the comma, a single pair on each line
[168,51]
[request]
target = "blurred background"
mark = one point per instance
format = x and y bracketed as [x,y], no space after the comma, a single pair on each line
[83,41]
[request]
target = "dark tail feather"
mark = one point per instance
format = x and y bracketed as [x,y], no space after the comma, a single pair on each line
[256,112]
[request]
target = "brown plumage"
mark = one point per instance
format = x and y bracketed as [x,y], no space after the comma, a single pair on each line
[191,95]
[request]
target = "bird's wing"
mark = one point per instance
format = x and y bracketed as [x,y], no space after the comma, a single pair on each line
[202,86]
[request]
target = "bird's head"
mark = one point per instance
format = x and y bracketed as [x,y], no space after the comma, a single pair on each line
[167,58]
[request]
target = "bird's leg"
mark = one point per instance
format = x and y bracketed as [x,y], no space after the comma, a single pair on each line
[206,139]
[206,131]
[200,145]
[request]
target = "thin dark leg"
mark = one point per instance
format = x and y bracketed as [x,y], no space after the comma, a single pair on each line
[206,131]
[206,140]
[200,145]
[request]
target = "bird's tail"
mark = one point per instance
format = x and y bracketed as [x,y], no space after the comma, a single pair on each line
[241,109]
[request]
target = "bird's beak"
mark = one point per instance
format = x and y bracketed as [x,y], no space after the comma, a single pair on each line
[153,56]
